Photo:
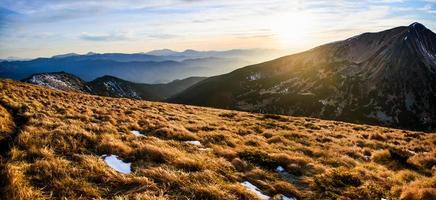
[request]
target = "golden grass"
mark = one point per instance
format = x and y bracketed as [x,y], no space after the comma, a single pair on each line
[57,152]
[7,124]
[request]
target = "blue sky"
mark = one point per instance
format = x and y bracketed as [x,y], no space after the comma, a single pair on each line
[48,27]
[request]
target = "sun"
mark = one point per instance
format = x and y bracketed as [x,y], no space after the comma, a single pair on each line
[292,28]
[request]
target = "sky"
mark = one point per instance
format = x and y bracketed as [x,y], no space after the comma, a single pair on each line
[42,28]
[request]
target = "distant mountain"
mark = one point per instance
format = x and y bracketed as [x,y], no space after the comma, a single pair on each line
[66,55]
[261,54]
[165,66]
[11,58]
[112,86]
[386,78]
[162,52]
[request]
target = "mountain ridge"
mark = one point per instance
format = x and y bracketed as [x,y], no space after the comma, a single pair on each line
[111,86]
[385,78]
[137,67]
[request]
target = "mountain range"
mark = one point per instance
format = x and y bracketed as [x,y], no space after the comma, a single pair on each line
[386,78]
[158,66]
[112,86]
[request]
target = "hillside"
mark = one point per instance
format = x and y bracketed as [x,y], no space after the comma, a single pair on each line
[60,81]
[112,86]
[57,145]
[384,78]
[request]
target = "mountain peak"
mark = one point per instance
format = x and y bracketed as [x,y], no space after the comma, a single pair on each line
[425,36]
[91,53]
[190,51]
[162,52]
[417,27]
[65,55]
[416,24]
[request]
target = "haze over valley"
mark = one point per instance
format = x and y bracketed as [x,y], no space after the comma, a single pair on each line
[158,66]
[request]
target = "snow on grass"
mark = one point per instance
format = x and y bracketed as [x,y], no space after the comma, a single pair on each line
[116,88]
[288,198]
[137,133]
[50,80]
[194,142]
[256,190]
[381,116]
[280,169]
[255,76]
[117,164]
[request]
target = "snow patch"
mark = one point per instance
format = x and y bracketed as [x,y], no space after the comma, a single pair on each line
[381,116]
[117,164]
[329,102]
[137,133]
[288,198]
[256,190]
[366,158]
[412,152]
[280,169]
[254,77]
[278,89]
[52,81]
[118,90]
[194,142]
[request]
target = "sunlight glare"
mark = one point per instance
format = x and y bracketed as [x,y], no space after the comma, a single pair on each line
[292,28]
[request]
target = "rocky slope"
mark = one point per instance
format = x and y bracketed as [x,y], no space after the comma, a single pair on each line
[60,81]
[115,87]
[386,78]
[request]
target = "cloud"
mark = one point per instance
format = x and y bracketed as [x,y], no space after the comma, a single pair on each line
[162,36]
[6,16]
[428,8]
[103,37]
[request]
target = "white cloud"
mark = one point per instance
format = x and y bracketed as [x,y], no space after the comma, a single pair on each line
[428,8]
[103,37]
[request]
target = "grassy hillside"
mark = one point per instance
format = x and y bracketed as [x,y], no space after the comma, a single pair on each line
[56,142]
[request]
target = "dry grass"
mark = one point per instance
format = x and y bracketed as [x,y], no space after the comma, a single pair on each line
[6,123]
[57,152]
